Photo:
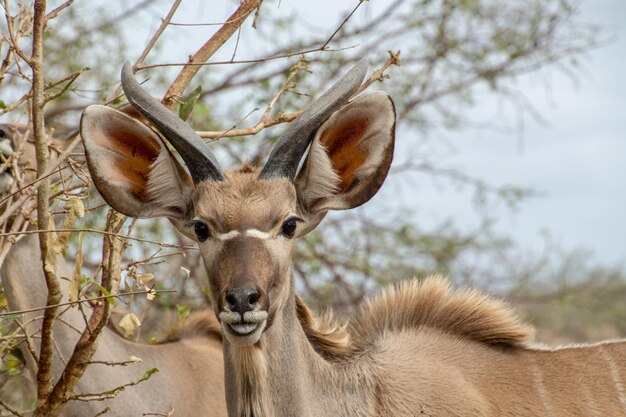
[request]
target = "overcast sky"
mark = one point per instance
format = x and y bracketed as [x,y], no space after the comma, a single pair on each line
[577,161]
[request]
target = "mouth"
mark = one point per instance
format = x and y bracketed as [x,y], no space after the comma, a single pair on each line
[246,330]
[243,329]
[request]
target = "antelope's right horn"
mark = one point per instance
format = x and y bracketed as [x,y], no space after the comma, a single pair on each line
[200,161]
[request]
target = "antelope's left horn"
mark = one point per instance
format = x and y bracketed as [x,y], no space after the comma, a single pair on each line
[287,153]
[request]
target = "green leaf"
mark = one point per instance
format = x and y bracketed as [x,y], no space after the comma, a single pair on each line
[183,312]
[190,101]
[105,292]
[147,375]
[2,104]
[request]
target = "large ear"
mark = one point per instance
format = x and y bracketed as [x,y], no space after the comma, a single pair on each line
[132,167]
[349,157]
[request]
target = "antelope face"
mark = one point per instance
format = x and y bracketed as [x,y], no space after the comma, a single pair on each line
[246,229]
[246,221]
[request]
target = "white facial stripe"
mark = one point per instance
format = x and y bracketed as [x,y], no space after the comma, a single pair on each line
[258,234]
[226,236]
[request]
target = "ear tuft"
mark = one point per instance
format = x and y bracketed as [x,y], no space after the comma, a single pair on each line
[319,180]
[164,189]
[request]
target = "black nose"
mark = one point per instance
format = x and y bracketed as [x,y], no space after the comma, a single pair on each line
[242,300]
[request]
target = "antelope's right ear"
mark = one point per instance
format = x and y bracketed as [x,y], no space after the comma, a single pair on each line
[132,167]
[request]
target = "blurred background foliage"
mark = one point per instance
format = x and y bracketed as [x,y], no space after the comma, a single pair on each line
[451,52]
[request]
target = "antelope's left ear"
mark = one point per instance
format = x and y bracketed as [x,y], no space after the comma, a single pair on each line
[349,158]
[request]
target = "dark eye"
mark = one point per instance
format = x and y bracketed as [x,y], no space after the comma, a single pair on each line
[202,231]
[289,228]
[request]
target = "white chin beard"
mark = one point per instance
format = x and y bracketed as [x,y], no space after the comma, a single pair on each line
[243,334]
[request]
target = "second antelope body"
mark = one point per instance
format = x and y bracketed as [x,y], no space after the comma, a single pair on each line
[417,350]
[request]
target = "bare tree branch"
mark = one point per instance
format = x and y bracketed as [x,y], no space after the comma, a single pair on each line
[208,49]
[54,13]
[44,371]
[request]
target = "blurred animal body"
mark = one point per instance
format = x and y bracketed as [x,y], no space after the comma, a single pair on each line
[196,357]
[416,350]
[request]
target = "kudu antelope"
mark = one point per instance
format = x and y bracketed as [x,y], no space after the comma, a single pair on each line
[416,350]
[191,374]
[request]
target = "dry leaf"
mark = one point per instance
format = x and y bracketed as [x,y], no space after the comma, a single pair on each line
[131,277]
[77,274]
[75,208]
[129,324]
[143,278]
[51,256]
[79,208]
[150,294]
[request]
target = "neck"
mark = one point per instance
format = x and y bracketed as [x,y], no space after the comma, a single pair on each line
[284,375]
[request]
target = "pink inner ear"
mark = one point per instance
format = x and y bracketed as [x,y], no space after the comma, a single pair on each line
[130,157]
[342,140]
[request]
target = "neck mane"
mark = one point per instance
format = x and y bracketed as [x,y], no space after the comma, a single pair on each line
[301,354]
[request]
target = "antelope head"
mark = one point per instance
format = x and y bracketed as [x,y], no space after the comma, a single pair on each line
[245,221]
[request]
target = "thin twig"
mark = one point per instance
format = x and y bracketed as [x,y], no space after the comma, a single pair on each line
[102,232]
[10,409]
[265,122]
[226,132]
[208,49]
[329,40]
[283,118]
[104,395]
[144,54]
[170,413]
[379,74]
[17,103]
[247,61]
[59,9]
[208,24]
[84,300]
[70,80]
[29,344]
[113,363]
[164,23]
[11,39]
[103,411]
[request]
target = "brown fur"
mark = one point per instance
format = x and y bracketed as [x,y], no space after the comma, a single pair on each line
[412,305]
[415,305]
[242,202]
[421,348]
[202,323]
[328,337]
